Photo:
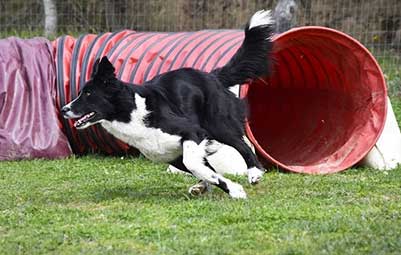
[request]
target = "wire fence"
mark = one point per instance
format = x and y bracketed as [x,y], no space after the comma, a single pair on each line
[375,23]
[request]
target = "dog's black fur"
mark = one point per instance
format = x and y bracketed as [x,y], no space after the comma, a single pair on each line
[189,103]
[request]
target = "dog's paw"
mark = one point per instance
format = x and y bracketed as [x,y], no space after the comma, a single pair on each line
[199,189]
[255,175]
[237,191]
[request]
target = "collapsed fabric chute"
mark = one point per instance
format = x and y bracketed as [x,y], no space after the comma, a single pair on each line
[29,125]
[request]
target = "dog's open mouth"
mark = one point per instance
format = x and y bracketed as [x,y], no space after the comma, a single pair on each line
[84,119]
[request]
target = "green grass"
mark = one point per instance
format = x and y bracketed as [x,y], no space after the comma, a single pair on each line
[99,205]
[390,64]
[106,205]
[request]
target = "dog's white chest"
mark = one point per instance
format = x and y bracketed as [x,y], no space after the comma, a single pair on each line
[153,143]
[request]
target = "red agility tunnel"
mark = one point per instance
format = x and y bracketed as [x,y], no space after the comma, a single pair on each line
[323,108]
[321,111]
[137,57]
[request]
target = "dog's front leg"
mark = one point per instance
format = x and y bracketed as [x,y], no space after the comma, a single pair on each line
[194,160]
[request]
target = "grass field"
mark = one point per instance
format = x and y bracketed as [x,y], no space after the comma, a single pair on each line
[106,205]
[97,205]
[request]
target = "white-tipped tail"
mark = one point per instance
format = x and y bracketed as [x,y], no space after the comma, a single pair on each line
[261,18]
[252,59]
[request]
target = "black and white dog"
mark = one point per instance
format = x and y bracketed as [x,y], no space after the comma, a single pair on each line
[180,117]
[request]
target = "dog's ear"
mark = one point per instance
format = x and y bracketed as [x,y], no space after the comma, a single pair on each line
[95,67]
[103,70]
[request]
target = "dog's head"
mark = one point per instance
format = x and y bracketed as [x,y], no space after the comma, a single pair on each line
[95,100]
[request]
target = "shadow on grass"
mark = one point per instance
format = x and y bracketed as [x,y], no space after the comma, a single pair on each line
[130,193]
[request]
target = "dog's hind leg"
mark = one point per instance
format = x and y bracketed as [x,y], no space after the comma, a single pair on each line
[200,188]
[174,170]
[194,160]
[255,169]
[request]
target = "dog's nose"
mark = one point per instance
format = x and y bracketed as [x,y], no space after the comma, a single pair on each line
[65,109]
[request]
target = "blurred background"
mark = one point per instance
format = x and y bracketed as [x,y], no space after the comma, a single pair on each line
[375,23]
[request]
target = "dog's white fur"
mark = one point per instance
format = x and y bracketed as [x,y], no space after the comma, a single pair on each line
[160,146]
[193,156]
[261,18]
[153,143]
[163,147]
